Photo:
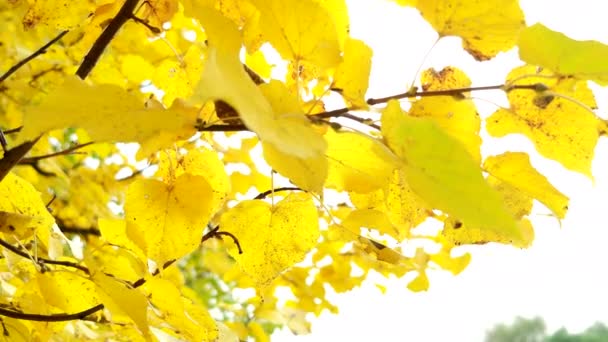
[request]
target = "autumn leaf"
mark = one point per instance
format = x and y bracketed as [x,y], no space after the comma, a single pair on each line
[224,78]
[272,238]
[514,168]
[107,112]
[352,74]
[567,57]
[485,31]
[560,129]
[62,14]
[167,220]
[440,170]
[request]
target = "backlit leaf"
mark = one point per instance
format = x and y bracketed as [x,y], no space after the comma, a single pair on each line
[515,168]
[560,129]
[440,170]
[486,27]
[272,238]
[120,299]
[167,220]
[586,60]
[352,75]
[224,78]
[299,30]
[106,112]
[58,289]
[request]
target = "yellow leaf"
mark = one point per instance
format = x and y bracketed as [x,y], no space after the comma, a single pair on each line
[457,117]
[120,299]
[486,27]
[272,238]
[300,30]
[21,206]
[452,264]
[369,218]
[167,220]
[198,162]
[224,78]
[559,128]
[352,75]
[114,231]
[257,331]
[357,162]
[176,77]
[61,14]
[257,62]
[515,168]
[440,170]
[308,173]
[107,112]
[458,233]
[157,12]
[420,283]
[404,208]
[568,57]
[168,301]
[58,289]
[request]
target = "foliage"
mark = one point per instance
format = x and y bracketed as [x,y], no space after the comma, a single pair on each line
[534,330]
[248,195]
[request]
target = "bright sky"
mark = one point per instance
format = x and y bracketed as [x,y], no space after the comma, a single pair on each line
[561,278]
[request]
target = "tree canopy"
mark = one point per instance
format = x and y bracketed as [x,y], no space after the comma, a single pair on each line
[534,330]
[210,169]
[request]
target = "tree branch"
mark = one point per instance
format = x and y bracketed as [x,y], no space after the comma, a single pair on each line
[124,14]
[35,159]
[36,53]
[215,233]
[264,194]
[43,261]
[344,112]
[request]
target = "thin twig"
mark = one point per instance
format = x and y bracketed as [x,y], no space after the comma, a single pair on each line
[24,254]
[124,14]
[264,194]
[344,112]
[215,233]
[30,160]
[36,53]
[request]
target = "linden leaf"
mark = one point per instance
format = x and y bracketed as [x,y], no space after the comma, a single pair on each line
[307,173]
[457,117]
[167,220]
[369,218]
[59,14]
[119,299]
[106,112]
[452,264]
[440,170]
[300,30]
[486,27]
[458,234]
[404,208]
[22,208]
[58,289]
[352,75]
[515,168]
[357,162]
[560,129]
[224,78]
[167,299]
[272,238]
[198,162]
[420,283]
[568,57]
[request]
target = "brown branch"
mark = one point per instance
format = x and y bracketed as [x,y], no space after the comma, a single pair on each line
[215,233]
[264,194]
[36,53]
[42,261]
[450,92]
[35,159]
[13,156]
[79,231]
[124,14]
[344,112]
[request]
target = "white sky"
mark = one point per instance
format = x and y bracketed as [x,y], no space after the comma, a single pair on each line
[561,278]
